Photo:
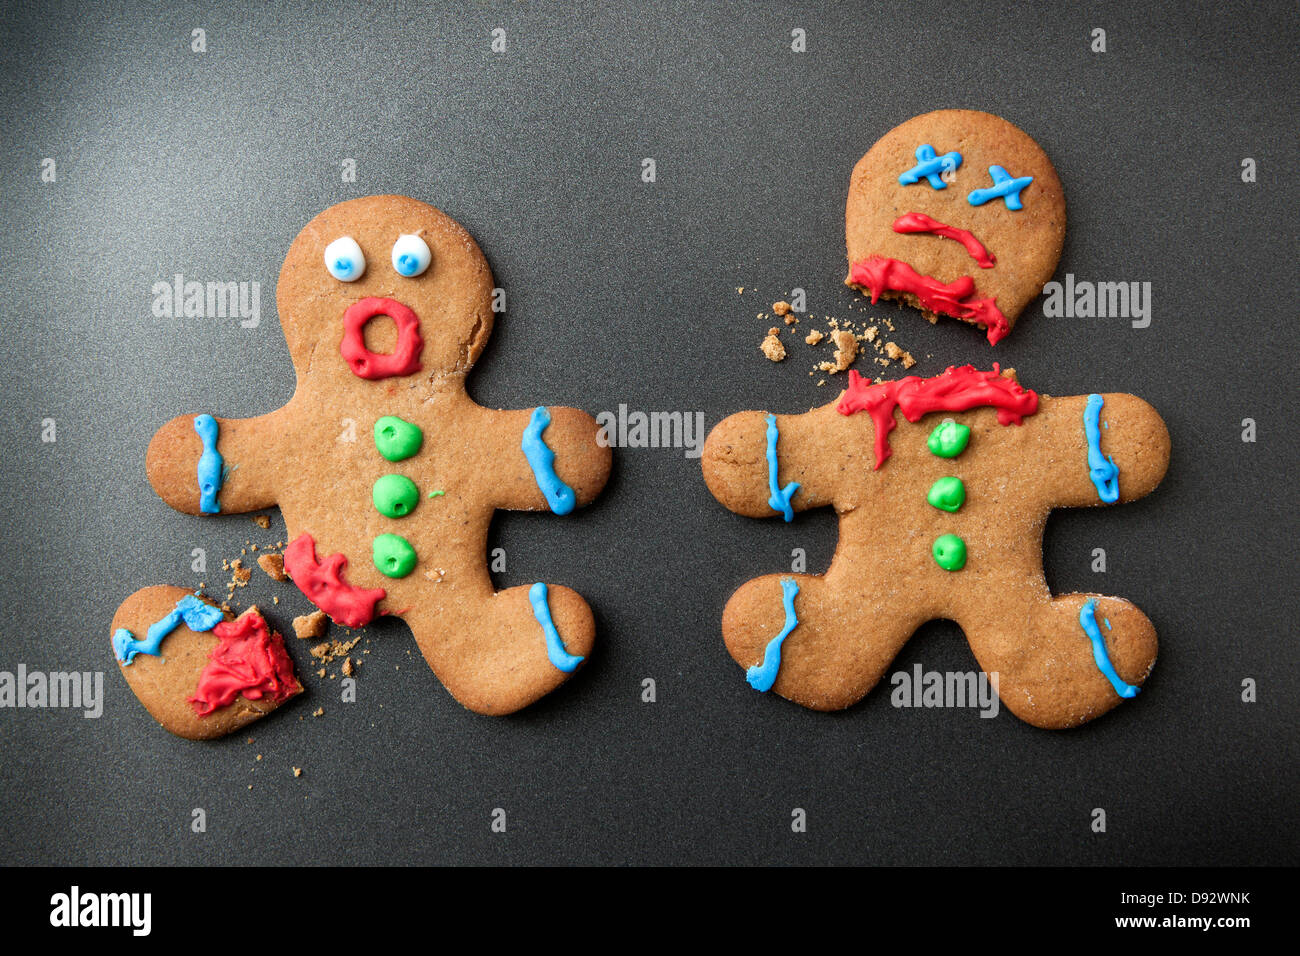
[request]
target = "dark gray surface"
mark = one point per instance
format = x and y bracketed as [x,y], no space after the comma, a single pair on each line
[623,292]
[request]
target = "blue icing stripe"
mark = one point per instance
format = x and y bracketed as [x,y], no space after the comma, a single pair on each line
[1088,618]
[930,167]
[542,460]
[762,676]
[211,471]
[196,615]
[555,650]
[1003,186]
[780,500]
[1101,468]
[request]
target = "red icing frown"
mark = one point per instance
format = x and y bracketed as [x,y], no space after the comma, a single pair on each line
[322,582]
[920,222]
[249,661]
[879,275]
[956,390]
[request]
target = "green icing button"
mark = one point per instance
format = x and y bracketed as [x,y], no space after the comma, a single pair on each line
[948,440]
[394,555]
[947,494]
[949,552]
[395,496]
[397,440]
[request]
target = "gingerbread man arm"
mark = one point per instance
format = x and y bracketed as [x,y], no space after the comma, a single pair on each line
[516,480]
[251,455]
[740,451]
[1052,450]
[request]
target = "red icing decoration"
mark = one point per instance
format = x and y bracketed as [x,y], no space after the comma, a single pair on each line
[248,660]
[920,222]
[879,274]
[956,390]
[405,358]
[323,583]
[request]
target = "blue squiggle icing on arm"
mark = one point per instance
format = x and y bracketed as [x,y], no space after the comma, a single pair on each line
[780,500]
[211,470]
[761,677]
[556,652]
[1088,619]
[542,460]
[1101,468]
[196,615]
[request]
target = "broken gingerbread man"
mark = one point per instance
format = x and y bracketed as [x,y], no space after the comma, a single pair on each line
[940,516]
[386,471]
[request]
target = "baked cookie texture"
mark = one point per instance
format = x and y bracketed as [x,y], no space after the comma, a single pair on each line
[386,471]
[884,457]
[894,205]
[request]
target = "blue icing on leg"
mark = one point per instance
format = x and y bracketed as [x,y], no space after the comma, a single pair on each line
[211,470]
[542,460]
[1003,186]
[1101,468]
[761,677]
[196,615]
[929,166]
[780,500]
[1088,619]
[555,650]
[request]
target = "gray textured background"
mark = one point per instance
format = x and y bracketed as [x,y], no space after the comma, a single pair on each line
[621,291]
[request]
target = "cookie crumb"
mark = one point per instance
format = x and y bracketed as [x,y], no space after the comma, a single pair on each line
[241,573]
[273,565]
[772,347]
[846,349]
[318,712]
[781,308]
[813,337]
[262,521]
[310,626]
[348,669]
[297,771]
[899,355]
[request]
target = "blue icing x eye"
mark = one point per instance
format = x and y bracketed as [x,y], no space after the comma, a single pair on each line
[344,259]
[411,255]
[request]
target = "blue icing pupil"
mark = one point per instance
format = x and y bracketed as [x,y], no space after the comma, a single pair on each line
[407,264]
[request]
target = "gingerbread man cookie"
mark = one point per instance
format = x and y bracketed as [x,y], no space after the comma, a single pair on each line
[940,516]
[959,213]
[386,471]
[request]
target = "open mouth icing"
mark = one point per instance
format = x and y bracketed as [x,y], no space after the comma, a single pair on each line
[880,274]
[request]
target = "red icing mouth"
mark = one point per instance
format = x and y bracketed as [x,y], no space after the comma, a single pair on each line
[879,274]
[920,222]
[249,661]
[404,359]
[322,582]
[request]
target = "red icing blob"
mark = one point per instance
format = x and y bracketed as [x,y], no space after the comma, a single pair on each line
[405,358]
[323,583]
[879,274]
[248,660]
[956,390]
[920,222]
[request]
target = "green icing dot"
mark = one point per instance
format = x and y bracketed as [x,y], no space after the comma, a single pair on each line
[948,440]
[947,494]
[395,495]
[394,555]
[949,552]
[397,440]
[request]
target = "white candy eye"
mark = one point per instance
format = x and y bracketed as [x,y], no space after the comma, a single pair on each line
[411,255]
[344,259]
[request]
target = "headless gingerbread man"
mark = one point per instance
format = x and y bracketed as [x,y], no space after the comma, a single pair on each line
[937,522]
[386,471]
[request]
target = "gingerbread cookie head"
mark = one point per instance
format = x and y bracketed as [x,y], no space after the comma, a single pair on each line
[959,213]
[397,286]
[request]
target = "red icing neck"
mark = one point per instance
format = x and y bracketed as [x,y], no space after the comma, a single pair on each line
[248,660]
[956,390]
[879,274]
[323,583]
[920,222]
